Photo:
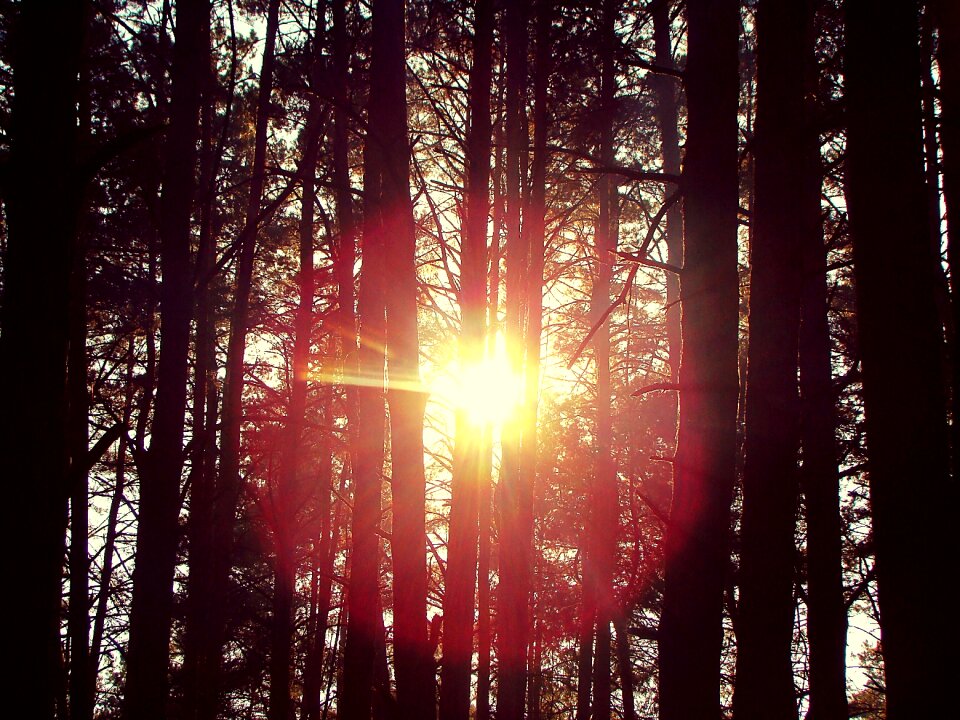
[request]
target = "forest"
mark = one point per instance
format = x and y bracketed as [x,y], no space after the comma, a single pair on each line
[479,359]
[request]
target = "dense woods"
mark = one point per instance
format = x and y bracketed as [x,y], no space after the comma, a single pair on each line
[506,359]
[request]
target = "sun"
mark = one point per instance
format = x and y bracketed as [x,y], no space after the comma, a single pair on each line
[488,392]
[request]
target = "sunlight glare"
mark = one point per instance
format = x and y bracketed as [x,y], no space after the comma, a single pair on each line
[489,392]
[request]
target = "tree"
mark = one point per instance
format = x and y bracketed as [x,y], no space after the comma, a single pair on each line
[764,686]
[459,591]
[906,431]
[704,467]
[157,533]
[41,245]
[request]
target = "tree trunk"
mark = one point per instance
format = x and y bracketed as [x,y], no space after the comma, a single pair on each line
[35,321]
[947,20]
[764,686]
[363,624]
[697,538]
[198,701]
[667,113]
[460,586]
[514,561]
[157,533]
[228,487]
[819,477]
[413,658]
[907,432]
[604,511]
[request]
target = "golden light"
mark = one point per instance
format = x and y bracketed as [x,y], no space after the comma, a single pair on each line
[488,392]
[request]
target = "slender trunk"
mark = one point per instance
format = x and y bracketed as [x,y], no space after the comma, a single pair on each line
[198,701]
[697,540]
[514,561]
[907,432]
[625,664]
[459,591]
[764,686]
[819,477]
[363,624]
[157,532]
[290,495]
[947,20]
[81,690]
[484,639]
[228,487]
[347,347]
[110,541]
[665,87]
[604,515]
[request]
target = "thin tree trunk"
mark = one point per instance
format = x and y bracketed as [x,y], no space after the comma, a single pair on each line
[198,701]
[819,477]
[625,664]
[460,587]
[604,515]
[157,533]
[228,488]
[363,625]
[110,541]
[947,20]
[484,639]
[697,538]
[907,432]
[514,561]
[290,495]
[81,690]
[667,113]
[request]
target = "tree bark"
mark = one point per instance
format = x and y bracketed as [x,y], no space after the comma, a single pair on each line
[819,476]
[413,657]
[907,434]
[764,686]
[604,511]
[460,586]
[704,470]
[35,320]
[157,533]
[514,561]
[363,624]
[947,20]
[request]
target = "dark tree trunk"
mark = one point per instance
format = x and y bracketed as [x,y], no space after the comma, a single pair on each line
[665,87]
[198,701]
[697,538]
[110,541]
[907,433]
[35,321]
[625,664]
[819,477]
[347,344]
[81,689]
[764,685]
[292,491]
[947,20]
[604,510]
[514,561]
[460,585]
[228,485]
[364,622]
[157,533]
[413,658]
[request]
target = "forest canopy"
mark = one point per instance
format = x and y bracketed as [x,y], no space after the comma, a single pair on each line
[487,359]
